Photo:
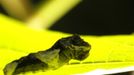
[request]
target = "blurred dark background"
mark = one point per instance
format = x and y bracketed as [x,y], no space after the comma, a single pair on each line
[98,17]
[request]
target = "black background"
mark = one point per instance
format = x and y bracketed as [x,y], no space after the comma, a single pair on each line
[98,17]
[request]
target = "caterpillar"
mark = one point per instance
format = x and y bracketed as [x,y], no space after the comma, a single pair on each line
[65,49]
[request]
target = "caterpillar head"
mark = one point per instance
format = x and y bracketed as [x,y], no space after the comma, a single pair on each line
[74,46]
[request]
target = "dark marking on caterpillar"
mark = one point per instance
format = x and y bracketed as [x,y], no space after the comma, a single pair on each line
[60,53]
